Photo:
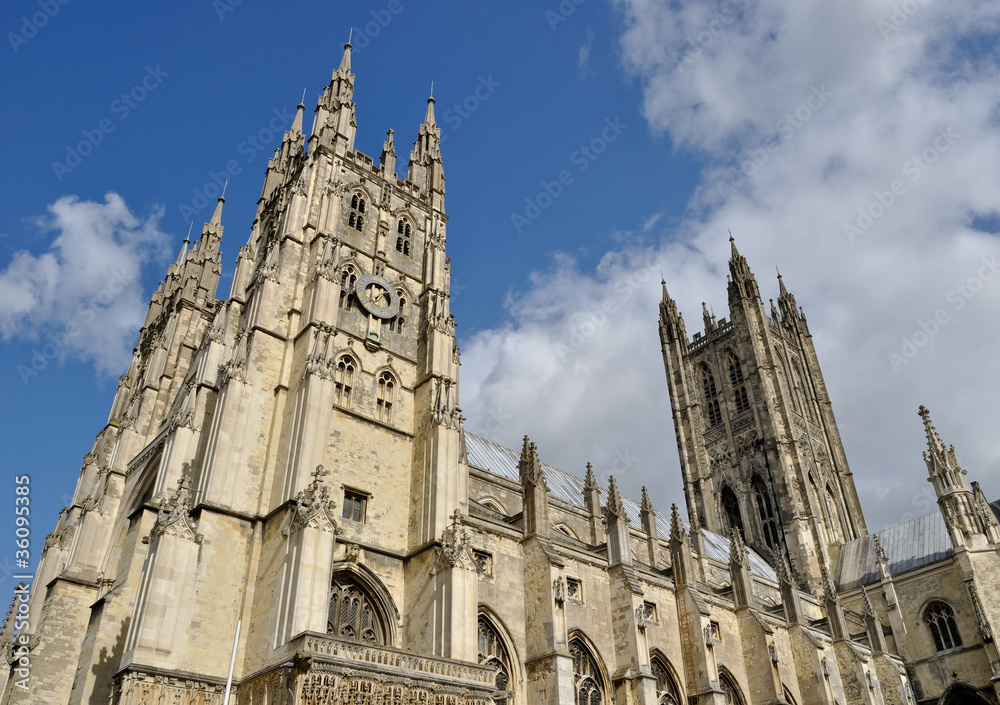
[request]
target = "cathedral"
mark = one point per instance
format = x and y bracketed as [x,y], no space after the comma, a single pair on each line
[284,507]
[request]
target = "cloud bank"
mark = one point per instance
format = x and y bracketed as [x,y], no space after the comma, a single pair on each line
[854,145]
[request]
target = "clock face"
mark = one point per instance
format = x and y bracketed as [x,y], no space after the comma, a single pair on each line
[377,295]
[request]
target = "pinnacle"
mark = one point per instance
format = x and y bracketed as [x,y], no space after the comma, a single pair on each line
[217,215]
[676,525]
[934,441]
[614,499]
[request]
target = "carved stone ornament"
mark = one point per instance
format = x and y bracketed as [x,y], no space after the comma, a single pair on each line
[559,590]
[313,507]
[455,550]
[772,652]
[982,623]
[709,636]
[174,516]
[640,618]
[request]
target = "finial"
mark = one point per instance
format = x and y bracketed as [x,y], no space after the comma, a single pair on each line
[187,238]
[432,90]
[615,508]
[676,526]
[350,36]
[303,101]
[731,238]
[224,187]
[646,505]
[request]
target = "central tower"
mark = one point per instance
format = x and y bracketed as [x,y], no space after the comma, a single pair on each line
[759,448]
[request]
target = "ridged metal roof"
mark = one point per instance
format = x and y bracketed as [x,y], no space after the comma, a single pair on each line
[502,461]
[909,545]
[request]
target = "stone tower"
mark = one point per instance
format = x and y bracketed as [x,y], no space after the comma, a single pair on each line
[303,432]
[758,442]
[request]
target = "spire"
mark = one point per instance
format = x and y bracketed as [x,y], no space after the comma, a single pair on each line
[425,168]
[182,256]
[646,505]
[671,322]
[592,500]
[217,215]
[615,508]
[945,471]
[345,60]
[296,127]
[786,302]
[529,466]
[388,158]
[707,317]
[589,483]
[676,525]
[743,284]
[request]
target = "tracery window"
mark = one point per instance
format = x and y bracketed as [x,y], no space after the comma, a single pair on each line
[354,615]
[732,691]
[667,692]
[356,219]
[941,621]
[586,676]
[768,522]
[738,384]
[385,396]
[343,380]
[396,323]
[348,278]
[712,413]
[493,653]
[731,509]
[403,230]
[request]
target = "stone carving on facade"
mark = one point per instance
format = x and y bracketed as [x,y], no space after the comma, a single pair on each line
[709,634]
[455,550]
[446,412]
[313,507]
[559,590]
[829,588]
[879,551]
[184,415]
[640,618]
[174,517]
[321,359]
[773,653]
[236,366]
[326,259]
[738,553]
[982,622]
[352,553]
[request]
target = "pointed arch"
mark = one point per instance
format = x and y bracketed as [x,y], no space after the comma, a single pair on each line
[734,696]
[668,690]
[713,414]
[496,649]
[386,390]
[590,679]
[962,694]
[729,511]
[345,374]
[354,579]
[349,273]
[765,512]
[737,382]
[494,504]
[359,208]
[404,233]
[939,617]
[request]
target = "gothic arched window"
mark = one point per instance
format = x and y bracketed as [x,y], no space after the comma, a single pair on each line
[385,397]
[712,413]
[354,615]
[738,384]
[343,380]
[348,278]
[837,528]
[403,230]
[768,522]
[941,621]
[356,219]
[396,323]
[493,653]
[586,676]
[667,692]
[731,511]
[729,687]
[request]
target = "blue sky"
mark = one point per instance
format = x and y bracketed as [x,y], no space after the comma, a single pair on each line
[669,124]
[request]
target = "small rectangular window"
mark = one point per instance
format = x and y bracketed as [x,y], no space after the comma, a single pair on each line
[355,504]
[574,589]
[484,562]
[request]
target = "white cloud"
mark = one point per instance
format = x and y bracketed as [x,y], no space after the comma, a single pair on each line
[583,55]
[83,297]
[804,114]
